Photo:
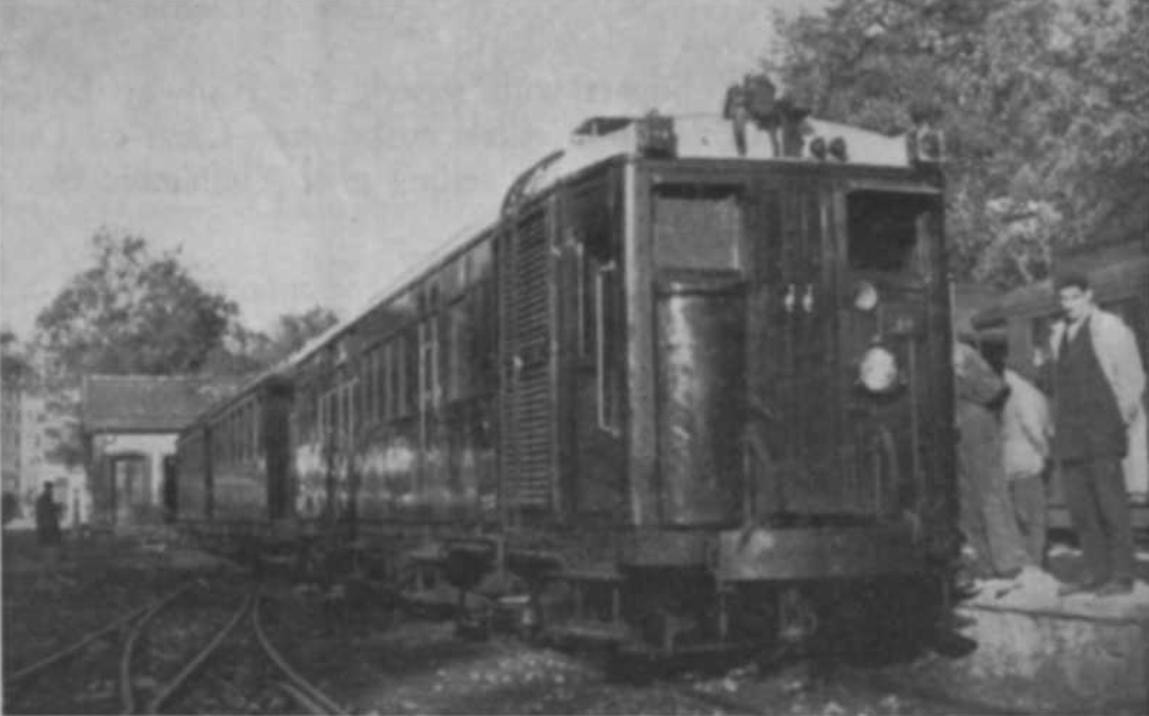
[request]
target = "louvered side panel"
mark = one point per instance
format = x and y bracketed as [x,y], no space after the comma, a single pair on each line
[528,430]
[507,459]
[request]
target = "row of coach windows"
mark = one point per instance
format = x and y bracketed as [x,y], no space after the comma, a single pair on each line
[237,434]
[448,355]
[383,392]
[336,415]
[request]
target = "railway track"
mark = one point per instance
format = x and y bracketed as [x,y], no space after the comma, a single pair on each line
[174,654]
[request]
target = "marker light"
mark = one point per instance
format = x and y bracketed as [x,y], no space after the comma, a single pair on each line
[838,149]
[865,296]
[655,135]
[818,148]
[878,371]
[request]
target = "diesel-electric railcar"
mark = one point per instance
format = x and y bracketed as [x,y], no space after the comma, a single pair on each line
[691,389]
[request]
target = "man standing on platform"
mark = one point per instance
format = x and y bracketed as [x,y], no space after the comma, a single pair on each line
[1098,381]
[1026,428]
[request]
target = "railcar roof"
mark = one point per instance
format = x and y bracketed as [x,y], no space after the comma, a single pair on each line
[433,258]
[598,139]
[706,136]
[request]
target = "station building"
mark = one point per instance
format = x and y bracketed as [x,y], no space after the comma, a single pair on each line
[130,424]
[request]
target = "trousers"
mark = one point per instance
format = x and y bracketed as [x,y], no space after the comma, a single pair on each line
[1099,508]
[1028,494]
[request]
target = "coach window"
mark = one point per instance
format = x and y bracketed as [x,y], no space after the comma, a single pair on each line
[241,433]
[229,438]
[398,371]
[374,401]
[381,384]
[236,425]
[351,413]
[410,380]
[891,231]
[393,373]
[587,320]
[232,437]
[256,421]
[601,317]
[249,431]
[339,423]
[363,388]
[236,442]
[324,419]
[428,360]
[698,226]
[388,379]
[395,377]
[610,346]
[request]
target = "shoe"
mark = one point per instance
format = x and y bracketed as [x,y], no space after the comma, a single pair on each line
[1087,585]
[1115,587]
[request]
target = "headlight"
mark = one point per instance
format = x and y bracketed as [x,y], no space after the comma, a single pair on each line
[865,296]
[878,371]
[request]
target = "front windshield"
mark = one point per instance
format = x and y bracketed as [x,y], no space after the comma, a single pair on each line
[891,231]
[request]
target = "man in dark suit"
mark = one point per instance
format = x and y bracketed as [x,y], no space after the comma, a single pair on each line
[1098,382]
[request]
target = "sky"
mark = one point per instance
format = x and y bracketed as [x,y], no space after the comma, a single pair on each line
[305,152]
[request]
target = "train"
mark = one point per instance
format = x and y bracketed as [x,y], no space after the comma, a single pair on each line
[689,392]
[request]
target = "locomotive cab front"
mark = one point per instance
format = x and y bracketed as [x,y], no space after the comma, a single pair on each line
[787,381]
[794,380]
[724,388]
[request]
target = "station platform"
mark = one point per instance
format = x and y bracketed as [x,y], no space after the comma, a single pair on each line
[1038,652]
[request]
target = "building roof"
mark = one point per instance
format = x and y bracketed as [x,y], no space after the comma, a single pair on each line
[146,403]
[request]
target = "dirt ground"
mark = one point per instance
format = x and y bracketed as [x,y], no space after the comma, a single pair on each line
[371,662]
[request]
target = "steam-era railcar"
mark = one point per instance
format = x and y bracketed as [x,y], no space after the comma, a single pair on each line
[691,387]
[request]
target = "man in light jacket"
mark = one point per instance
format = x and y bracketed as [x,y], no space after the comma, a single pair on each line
[1099,381]
[1026,428]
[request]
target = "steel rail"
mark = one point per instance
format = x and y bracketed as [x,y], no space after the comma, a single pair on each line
[127,693]
[76,646]
[178,681]
[296,680]
[301,698]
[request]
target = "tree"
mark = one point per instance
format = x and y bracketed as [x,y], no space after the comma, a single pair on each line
[133,313]
[244,350]
[14,364]
[1045,107]
[293,331]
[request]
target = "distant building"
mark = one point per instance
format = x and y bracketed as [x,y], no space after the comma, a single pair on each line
[130,425]
[14,377]
[10,423]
